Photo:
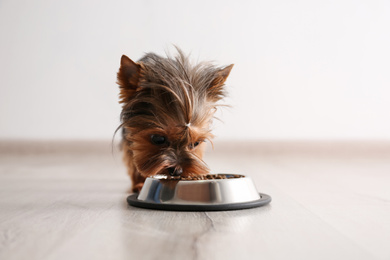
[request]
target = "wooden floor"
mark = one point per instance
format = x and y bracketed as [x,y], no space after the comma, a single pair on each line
[68,201]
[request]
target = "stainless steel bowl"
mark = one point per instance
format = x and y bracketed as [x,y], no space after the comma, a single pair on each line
[159,192]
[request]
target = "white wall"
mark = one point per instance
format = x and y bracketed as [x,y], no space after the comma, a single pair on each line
[303,69]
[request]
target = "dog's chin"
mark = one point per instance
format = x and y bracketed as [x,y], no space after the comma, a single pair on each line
[190,172]
[162,165]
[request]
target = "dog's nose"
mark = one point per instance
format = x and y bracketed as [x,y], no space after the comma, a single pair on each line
[175,171]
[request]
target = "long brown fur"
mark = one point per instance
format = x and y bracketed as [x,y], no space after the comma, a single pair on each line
[170,98]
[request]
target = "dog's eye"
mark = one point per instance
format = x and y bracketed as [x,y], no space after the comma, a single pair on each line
[158,139]
[192,146]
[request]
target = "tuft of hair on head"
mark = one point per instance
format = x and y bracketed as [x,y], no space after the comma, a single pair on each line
[171,89]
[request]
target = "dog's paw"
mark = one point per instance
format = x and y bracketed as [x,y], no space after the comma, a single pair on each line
[137,188]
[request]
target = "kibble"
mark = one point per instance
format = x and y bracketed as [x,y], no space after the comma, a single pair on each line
[205,177]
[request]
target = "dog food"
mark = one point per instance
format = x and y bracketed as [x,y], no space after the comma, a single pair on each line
[205,177]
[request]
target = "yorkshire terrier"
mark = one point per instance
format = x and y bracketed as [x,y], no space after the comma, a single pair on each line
[168,107]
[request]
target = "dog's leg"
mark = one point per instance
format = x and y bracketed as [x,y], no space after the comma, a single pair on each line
[137,181]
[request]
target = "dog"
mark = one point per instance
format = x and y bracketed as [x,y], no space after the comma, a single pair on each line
[167,108]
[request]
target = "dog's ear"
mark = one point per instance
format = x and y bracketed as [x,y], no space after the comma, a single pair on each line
[215,91]
[128,78]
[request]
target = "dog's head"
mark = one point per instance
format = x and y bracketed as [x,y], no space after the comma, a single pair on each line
[168,105]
